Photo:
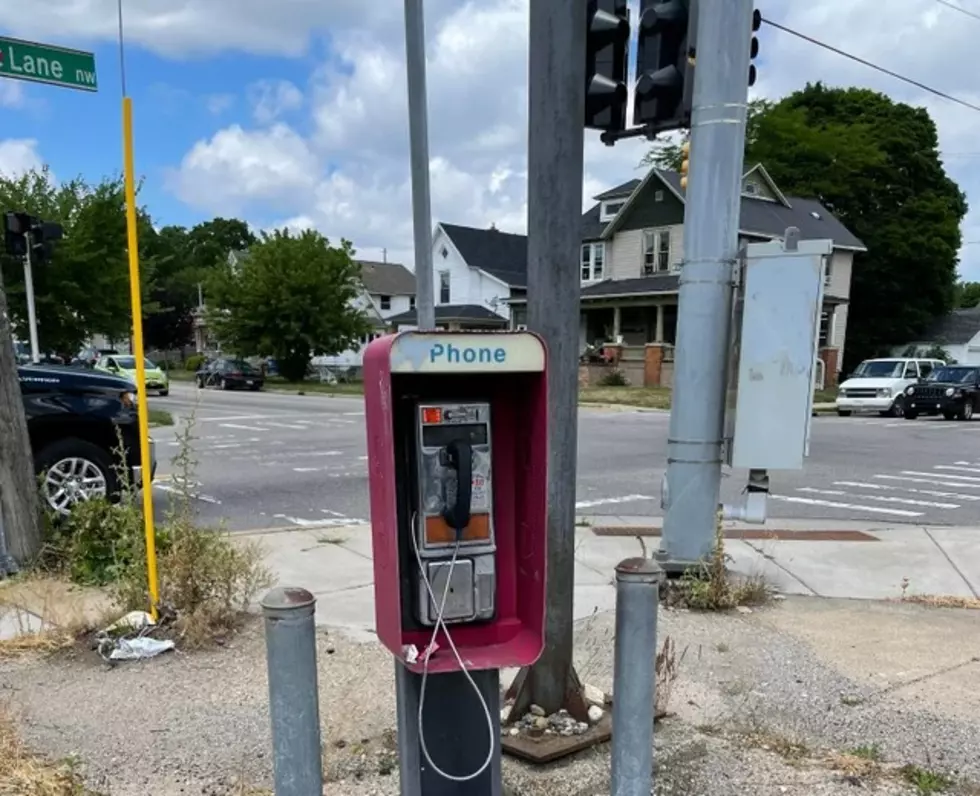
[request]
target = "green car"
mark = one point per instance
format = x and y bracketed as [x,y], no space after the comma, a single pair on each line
[125,366]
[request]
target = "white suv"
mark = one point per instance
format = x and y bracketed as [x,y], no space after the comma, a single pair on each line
[878,385]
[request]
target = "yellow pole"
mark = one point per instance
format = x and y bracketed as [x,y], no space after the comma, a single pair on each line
[137,302]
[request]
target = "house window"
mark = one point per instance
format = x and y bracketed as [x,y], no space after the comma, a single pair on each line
[444,252]
[411,302]
[610,209]
[593,261]
[386,302]
[825,330]
[750,189]
[658,196]
[828,271]
[656,251]
[444,294]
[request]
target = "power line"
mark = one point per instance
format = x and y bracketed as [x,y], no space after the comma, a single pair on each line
[874,66]
[957,8]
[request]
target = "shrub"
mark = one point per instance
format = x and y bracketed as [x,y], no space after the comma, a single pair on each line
[194,362]
[614,378]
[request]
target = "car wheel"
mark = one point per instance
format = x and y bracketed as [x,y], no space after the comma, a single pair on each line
[200,382]
[949,416]
[164,393]
[897,408]
[73,471]
[910,414]
[844,412]
[966,413]
[224,385]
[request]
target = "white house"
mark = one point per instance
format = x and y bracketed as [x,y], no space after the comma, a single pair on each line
[957,333]
[475,272]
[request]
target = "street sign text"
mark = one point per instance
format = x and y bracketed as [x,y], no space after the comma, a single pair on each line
[43,63]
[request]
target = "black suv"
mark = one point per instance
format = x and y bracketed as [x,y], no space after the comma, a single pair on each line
[75,419]
[952,391]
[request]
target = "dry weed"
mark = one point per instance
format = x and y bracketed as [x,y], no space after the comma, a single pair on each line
[667,667]
[22,773]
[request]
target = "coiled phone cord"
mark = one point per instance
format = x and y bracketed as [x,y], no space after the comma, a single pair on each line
[459,660]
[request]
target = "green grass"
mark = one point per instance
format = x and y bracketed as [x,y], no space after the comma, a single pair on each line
[646,397]
[158,417]
[824,396]
[925,781]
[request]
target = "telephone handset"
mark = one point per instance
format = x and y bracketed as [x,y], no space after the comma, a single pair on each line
[457,498]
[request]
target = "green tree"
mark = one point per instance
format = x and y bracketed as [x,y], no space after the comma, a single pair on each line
[186,260]
[875,164]
[291,298]
[83,288]
[967,294]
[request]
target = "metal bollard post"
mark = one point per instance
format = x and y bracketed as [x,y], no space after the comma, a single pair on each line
[290,644]
[637,599]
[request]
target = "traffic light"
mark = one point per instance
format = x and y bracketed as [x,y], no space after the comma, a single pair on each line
[43,236]
[756,24]
[606,65]
[685,163]
[15,228]
[664,64]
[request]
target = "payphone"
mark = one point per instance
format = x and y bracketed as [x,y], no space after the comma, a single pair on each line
[455,517]
[457,427]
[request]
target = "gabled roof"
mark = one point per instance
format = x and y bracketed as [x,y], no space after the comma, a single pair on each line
[619,191]
[501,254]
[452,312]
[758,216]
[759,169]
[957,328]
[387,279]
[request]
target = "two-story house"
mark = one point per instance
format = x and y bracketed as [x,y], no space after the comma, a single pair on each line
[475,273]
[633,249]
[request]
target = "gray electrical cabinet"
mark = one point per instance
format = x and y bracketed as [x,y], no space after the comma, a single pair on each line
[775,331]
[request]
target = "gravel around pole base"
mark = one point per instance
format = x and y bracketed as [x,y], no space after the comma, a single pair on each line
[805,698]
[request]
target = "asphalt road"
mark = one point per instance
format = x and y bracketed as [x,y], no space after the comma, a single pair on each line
[272,459]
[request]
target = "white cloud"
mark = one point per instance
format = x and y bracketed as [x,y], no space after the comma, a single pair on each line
[270,99]
[347,173]
[237,167]
[18,156]
[219,103]
[11,94]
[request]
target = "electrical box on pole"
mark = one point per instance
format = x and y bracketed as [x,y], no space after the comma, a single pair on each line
[607,65]
[776,329]
[665,61]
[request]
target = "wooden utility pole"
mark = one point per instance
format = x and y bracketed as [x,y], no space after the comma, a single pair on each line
[19,515]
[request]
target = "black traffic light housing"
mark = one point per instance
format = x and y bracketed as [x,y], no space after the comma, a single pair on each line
[606,65]
[756,24]
[19,227]
[665,64]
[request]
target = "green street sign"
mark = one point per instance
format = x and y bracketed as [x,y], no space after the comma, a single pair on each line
[44,63]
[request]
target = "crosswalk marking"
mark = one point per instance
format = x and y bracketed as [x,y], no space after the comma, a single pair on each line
[243,428]
[911,490]
[833,504]
[937,481]
[904,501]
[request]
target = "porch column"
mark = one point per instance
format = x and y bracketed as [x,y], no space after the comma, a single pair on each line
[659,334]
[616,321]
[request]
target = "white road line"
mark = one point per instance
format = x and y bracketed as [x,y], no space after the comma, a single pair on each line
[958,469]
[332,513]
[587,504]
[951,476]
[903,501]
[912,490]
[852,506]
[294,426]
[243,428]
[321,523]
[937,481]
[202,498]
[226,445]
[354,414]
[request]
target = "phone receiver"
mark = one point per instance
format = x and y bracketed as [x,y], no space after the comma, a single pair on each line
[459,456]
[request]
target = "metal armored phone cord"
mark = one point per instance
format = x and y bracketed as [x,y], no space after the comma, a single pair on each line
[459,660]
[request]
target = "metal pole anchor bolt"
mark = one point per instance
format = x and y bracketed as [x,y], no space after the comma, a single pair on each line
[290,643]
[634,677]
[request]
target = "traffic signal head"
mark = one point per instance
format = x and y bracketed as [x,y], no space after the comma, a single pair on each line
[607,56]
[663,64]
[756,24]
[685,163]
[16,226]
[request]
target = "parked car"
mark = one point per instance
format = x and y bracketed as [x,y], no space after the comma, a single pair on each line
[229,374]
[952,391]
[124,365]
[879,385]
[75,419]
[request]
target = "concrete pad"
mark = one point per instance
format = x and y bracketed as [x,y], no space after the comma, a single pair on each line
[316,560]
[961,545]
[753,560]
[15,622]
[590,600]
[603,553]
[901,652]
[351,610]
[585,575]
[57,602]
[872,571]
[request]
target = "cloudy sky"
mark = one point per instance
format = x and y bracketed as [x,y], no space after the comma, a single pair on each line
[295,111]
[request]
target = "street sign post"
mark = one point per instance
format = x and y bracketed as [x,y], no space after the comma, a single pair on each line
[45,63]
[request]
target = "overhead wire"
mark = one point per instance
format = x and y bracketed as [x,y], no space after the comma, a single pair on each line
[872,65]
[965,11]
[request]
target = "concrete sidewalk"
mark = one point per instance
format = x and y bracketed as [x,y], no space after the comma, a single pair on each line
[822,559]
